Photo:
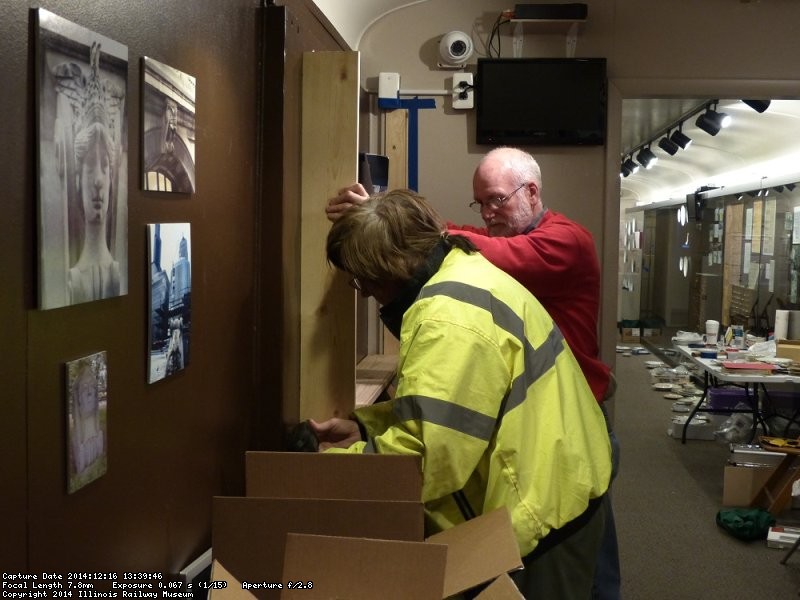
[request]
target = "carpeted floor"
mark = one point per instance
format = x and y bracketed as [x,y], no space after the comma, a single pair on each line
[666,498]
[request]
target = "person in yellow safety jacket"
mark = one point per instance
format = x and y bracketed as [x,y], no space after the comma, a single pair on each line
[488,394]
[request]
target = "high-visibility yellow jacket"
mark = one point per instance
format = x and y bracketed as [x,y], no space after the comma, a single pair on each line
[491,397]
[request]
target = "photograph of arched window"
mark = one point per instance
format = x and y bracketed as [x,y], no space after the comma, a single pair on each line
[168,128]
[82,88]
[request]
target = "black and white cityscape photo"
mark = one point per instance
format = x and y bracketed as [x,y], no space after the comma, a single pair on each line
[170,299]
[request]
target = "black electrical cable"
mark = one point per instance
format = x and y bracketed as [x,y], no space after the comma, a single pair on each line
[492,35]
[495,34]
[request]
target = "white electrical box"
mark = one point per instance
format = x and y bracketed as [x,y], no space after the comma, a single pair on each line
[463,92]
[388,86]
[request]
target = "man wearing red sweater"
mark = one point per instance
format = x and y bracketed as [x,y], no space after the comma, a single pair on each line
[552,256]
[556,259]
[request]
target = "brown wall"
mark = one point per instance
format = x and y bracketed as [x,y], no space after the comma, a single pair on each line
[174,444]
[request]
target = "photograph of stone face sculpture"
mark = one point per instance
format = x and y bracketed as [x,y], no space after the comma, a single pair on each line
[170,299]
[168,135]
[87,410]
[82,81]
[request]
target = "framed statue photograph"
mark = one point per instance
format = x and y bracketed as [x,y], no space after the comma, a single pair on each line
[81,95]
[168,128]
[87,411]
[170,307]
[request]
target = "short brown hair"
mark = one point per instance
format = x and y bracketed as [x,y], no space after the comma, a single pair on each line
[386,238]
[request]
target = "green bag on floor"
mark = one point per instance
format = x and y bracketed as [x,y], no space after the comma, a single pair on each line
[746,523]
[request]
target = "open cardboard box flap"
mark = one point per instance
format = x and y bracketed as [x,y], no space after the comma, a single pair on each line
[325,475]
[362,569]
[225,586]
[478,551]
[502,588]
[249,534]
[456,560]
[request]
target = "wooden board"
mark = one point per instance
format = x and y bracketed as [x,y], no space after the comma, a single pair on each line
[329,161]
[396,148]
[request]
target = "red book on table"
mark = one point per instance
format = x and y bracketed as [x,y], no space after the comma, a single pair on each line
[750,366]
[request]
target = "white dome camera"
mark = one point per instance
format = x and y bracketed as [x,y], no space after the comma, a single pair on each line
[455,48]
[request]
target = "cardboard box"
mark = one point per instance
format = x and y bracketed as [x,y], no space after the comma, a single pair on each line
[337,567]
[458,559]
[321,567]
[478,551]
[788,349]
[741,484]
[262,541]
[630,334]
[224,585]
[249,534]
[325,475]
[502,588]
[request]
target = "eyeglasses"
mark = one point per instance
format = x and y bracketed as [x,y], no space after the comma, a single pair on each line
[494,203]
[355,284]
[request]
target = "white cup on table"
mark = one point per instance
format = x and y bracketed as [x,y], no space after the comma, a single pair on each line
[712,333]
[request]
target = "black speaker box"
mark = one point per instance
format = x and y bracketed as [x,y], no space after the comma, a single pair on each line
[575,11]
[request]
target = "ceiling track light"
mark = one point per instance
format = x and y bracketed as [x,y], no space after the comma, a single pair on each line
[790,186]
[630,165]
[712,121]
[758,105]
[668,146]
[624,170]
[680,138]
[646,158]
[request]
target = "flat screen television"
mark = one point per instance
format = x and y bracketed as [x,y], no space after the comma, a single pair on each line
[541,101]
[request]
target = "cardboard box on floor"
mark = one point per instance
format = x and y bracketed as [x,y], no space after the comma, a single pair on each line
[371,507]
[741,484]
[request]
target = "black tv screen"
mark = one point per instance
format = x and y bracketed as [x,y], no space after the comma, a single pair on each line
[541,101]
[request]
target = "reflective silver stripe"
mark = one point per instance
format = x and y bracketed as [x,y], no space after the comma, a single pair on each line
[537,363]
[537,360]
[447,414]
